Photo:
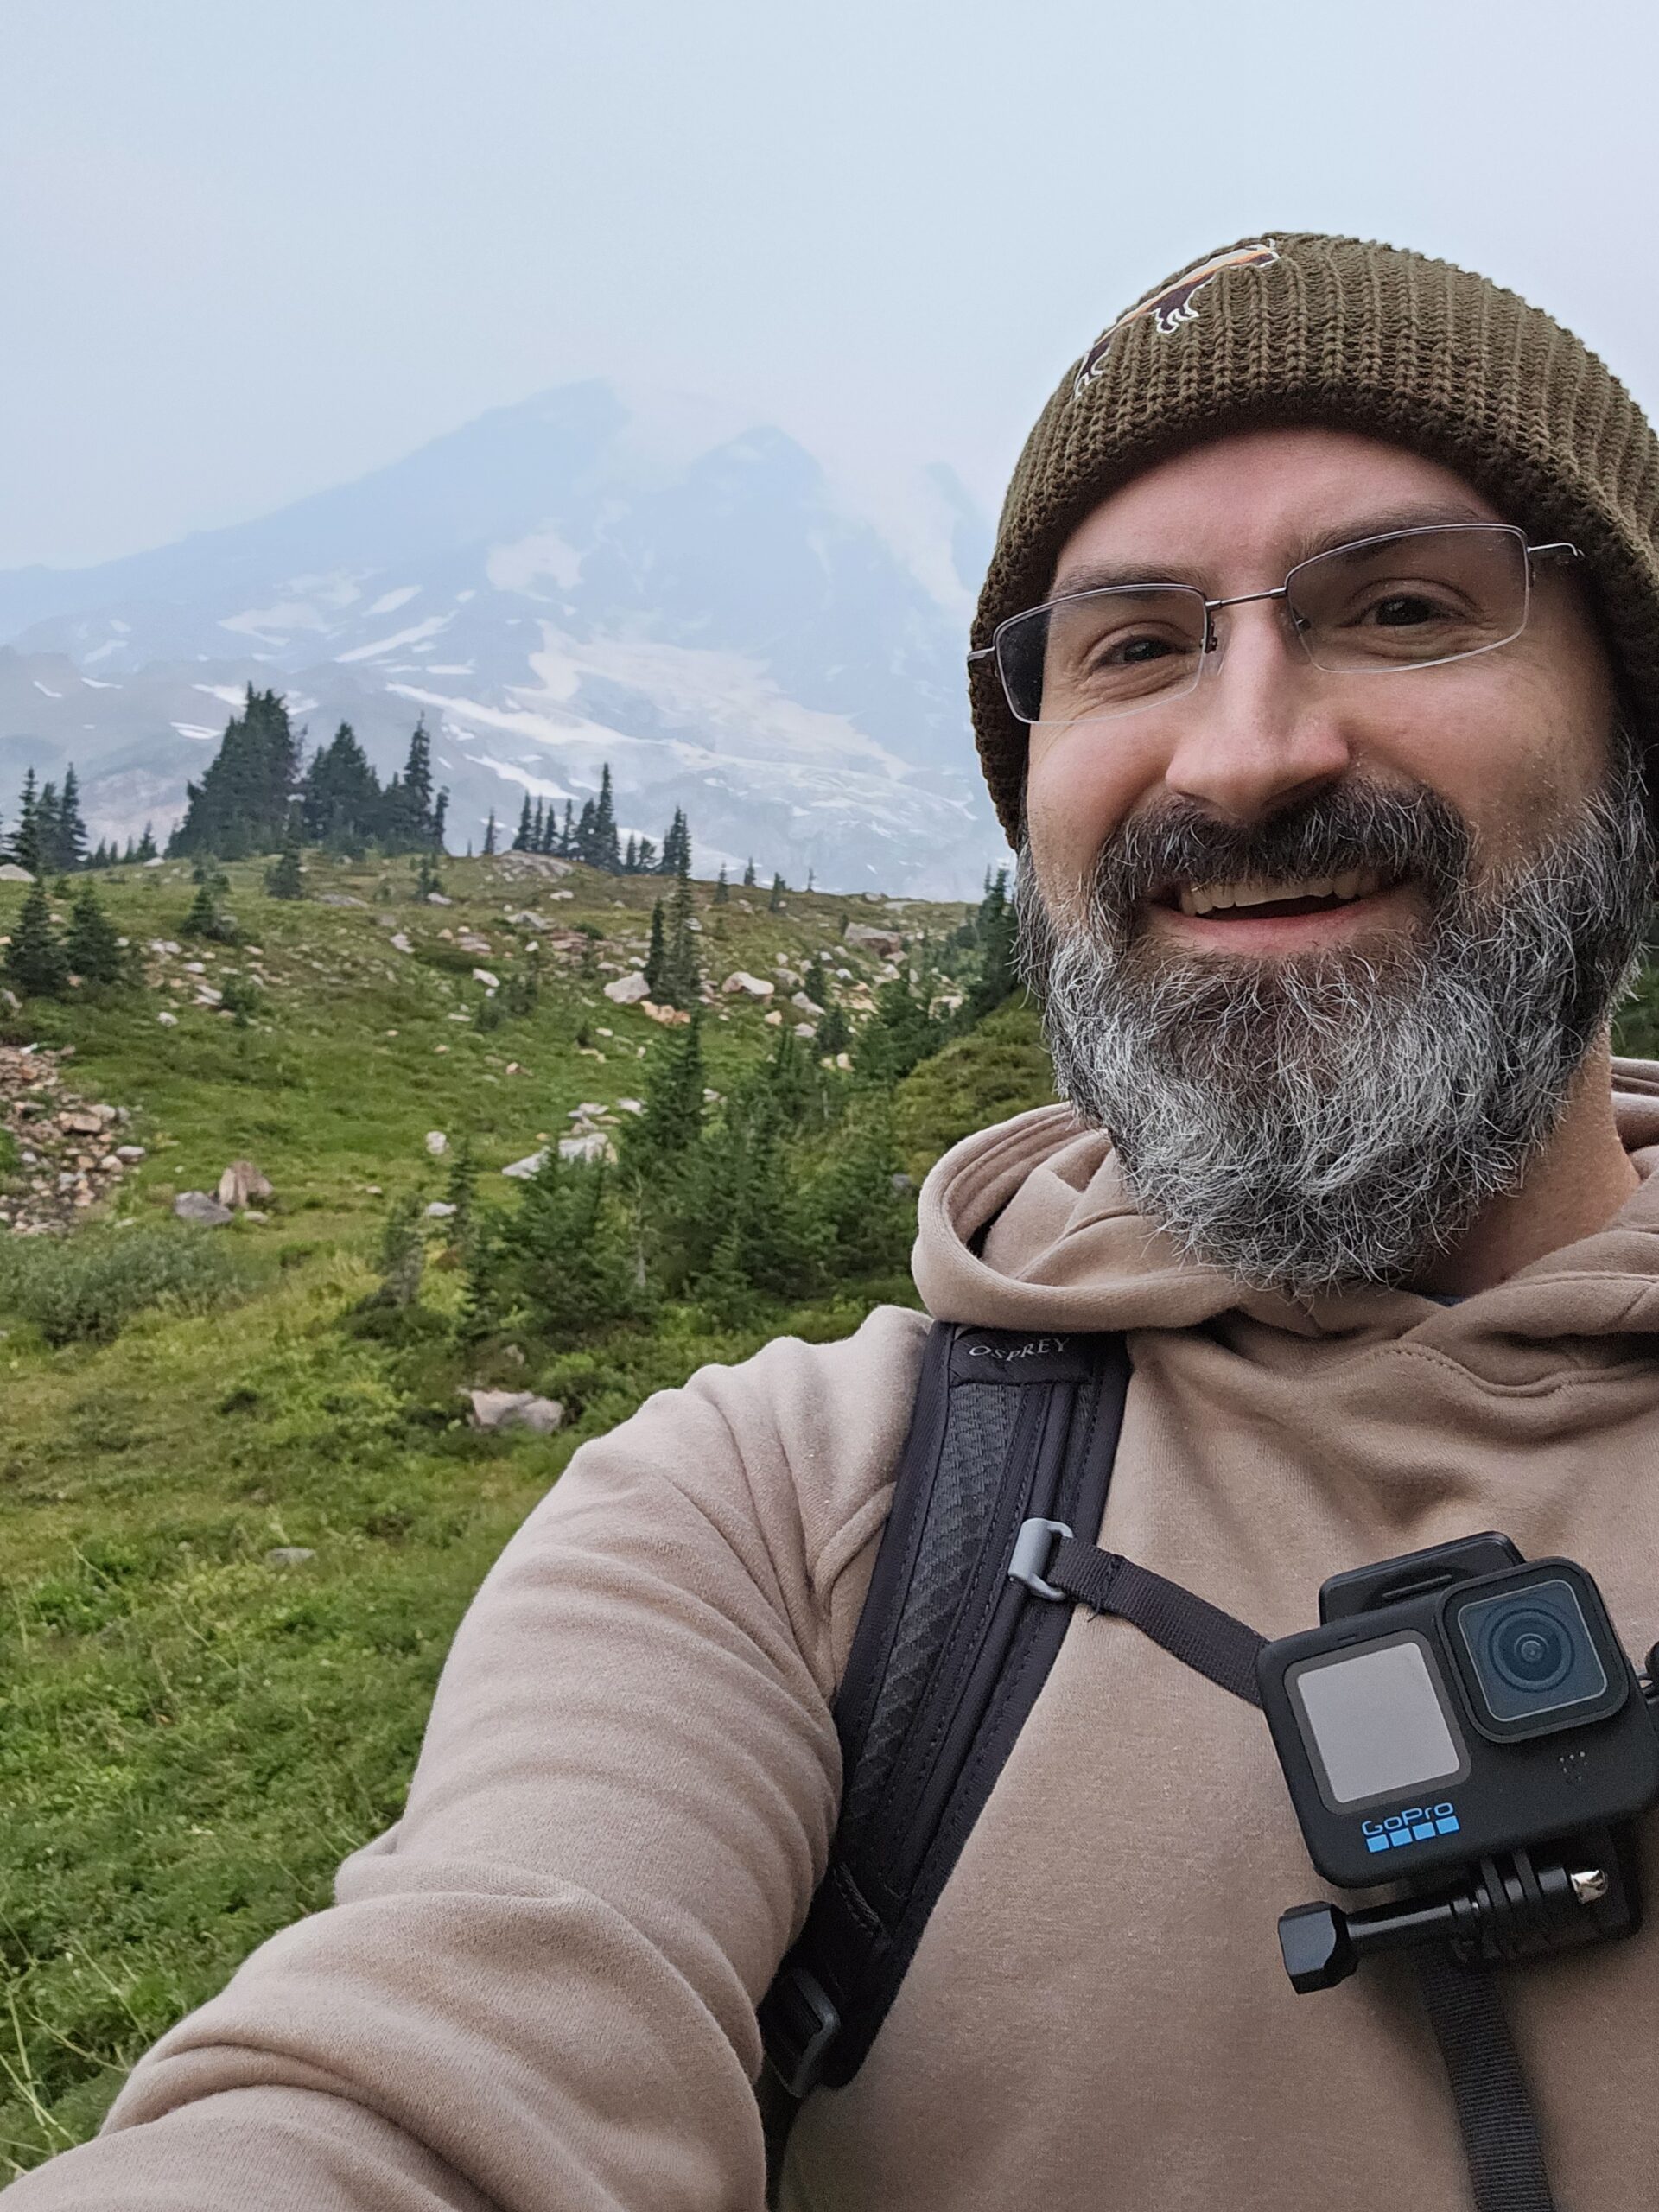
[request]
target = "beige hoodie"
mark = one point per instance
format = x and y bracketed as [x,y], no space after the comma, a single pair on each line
[537,1991]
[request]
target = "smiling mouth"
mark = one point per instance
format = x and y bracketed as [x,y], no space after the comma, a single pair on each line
[1266,901]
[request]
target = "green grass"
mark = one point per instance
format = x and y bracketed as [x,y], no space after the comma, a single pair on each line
[192,1735]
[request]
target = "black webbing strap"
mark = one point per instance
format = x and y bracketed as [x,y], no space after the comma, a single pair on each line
[1495,2115]
[1189,1628]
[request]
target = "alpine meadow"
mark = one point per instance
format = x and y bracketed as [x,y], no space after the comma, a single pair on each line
[350,1186]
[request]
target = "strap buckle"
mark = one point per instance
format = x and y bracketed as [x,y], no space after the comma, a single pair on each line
[1033,1547]
[799,2022]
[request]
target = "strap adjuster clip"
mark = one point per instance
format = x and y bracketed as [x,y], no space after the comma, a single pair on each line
[799,2023]
[1033,1547]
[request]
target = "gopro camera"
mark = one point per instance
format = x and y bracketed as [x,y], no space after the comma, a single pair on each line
[1461,1712]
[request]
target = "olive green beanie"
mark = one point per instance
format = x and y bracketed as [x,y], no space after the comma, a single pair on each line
[1354,336]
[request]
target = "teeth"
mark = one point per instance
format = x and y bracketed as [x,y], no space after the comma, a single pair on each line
[1209,897]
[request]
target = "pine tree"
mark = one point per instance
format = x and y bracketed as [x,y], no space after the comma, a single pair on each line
[343,804]
[72,829]
[606,853]
[240,806]
[489,836]
[48,829]
[995,932]
[285,877]
[92,947]
[645,857]
[207,918]
[35,962]
[629,864]
[131,853]
[403,1256]
[748,874]
[672,1119]
[417,781]
[567,844]
[25,847]
[676,847]
[460,1189]
[722,889]
[680,966]
[584,838]
[523,836]
[658,953]
[440,818]
[427,880]
[147,845]
[775,903]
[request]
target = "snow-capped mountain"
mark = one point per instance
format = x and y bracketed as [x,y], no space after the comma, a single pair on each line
[585,577]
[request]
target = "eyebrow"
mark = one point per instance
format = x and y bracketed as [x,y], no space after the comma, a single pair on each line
[1102,576]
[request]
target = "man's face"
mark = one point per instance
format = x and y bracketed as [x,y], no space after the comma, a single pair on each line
[1511,740]
[1323,1088]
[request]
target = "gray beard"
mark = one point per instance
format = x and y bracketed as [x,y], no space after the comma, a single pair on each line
[1315,1124]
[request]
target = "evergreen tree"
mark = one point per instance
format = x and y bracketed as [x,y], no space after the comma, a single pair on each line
[680,965]
[416,782]
[775,903]
[240,806]
[584,839]
[72,829]
[657,955]
[36,964]
[25,847]
[403,1256]
[748,874]
[489,836]
[672,1119]
[48,829]
[460,1189]
[523,837]
[996,933]
[440,817]
[832,1034]
[131,853]
[676,847]
[645,857]
[342,803]
[207,918]
[285,877]
[606,852]
[147,845]
[566,842]
[427,880]
[722,889]
[629,864]
[93,948]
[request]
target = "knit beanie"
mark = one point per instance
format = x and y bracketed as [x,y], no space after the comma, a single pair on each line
[1355,336]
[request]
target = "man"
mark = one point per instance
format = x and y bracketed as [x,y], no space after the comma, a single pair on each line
[1317,667]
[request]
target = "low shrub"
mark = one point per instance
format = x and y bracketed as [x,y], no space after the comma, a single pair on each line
[85,1287]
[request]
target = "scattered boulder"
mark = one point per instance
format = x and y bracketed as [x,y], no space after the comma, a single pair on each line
[669,1016]
[439,1210]
[129,1154]
[167,1021]
[241,1184]
[591,1145]
[204,1210]
[806,1005]
[773,1020]
[483,975]
[532,1164]
[514,1410]
[436,1143]
[885,944]
[289,1555]
[339,898]
[84,1121]
[10,873]
[628,990]
[437,899]
[739,983]
[400,943]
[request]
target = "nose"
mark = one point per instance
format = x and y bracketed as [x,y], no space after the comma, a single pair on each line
[1263,726]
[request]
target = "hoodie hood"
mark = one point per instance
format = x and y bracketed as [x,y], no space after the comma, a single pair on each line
[1030,1224]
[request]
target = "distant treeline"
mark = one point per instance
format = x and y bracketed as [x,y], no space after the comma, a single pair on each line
[48,837]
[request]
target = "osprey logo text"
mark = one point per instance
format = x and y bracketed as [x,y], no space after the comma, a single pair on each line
[1028,1347]
[1176,304]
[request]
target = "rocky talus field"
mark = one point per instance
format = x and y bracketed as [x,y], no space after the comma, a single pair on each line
[258,1448]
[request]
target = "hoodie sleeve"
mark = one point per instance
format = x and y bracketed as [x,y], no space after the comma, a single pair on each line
[539,1988]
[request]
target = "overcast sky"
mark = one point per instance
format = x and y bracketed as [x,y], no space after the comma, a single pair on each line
[249,249]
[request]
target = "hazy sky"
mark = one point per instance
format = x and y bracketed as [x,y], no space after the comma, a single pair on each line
[250,248]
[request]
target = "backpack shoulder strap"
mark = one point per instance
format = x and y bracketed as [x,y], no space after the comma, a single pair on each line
[947,1660]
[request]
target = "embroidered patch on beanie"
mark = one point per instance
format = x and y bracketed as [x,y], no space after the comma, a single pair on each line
[1176,303]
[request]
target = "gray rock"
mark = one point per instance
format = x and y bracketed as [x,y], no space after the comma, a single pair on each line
[514,1410]
[287,1556]
[340,898]
[628,990]
[439,1210]
[436,1143]
[199,1207]
[12,874]
[532,1164]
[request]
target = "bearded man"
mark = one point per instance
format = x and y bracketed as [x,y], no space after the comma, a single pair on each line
[1315,676]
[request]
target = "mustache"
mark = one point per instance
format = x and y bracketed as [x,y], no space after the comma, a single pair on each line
[1413,833]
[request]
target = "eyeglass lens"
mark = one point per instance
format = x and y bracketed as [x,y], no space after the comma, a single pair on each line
[1410,599]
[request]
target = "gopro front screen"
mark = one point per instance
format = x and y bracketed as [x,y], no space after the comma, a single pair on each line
[1375,1721]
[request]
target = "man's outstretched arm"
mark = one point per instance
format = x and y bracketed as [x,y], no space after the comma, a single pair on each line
[539,1989]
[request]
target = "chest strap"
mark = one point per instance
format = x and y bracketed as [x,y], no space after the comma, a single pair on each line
[1495,2119]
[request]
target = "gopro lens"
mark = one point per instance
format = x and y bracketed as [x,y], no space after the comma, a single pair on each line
[1533,1652]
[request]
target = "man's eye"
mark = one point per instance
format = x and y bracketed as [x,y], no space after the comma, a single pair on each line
[1133,653]
[1402,609]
